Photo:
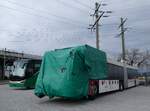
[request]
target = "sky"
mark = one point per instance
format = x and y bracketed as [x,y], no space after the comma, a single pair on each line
[36,26]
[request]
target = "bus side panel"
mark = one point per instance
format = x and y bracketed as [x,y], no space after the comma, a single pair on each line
[137,82]
[30,82]
[131,83]
[108,85]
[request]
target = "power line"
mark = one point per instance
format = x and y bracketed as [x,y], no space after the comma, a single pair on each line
[47,12]
[81,3]
[3,6]
[71,6]
[32,14]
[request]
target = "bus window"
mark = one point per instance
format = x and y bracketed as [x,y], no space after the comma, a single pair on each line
[32,67]
[29,69]
[37,65]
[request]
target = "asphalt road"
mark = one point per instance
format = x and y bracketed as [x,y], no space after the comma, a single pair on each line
[135,99]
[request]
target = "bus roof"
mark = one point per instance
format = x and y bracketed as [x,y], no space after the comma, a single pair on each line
[110,61]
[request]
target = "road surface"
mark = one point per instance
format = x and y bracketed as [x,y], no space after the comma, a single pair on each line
[134,99]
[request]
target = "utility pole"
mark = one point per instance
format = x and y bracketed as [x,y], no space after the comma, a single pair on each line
[97,25]
[123,41]
[121,26]
[97,19]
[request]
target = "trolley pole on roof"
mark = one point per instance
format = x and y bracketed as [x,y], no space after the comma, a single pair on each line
[121,26]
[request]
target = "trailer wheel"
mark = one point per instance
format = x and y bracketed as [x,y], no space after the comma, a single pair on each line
[121,87]
[94,89]
[135,83]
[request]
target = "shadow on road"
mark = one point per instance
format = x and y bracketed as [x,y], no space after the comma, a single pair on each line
[68,102]
[63,101]
[21,89]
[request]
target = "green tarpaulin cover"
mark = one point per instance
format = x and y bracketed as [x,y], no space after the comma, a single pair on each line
[66,72]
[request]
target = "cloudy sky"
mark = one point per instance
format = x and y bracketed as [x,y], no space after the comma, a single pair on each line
[35,26]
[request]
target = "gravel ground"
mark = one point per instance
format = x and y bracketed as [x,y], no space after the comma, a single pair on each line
[134,99]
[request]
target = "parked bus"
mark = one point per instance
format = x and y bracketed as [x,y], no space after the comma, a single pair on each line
[81,71]
[24,74]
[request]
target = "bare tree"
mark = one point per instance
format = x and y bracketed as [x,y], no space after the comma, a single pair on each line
[136,57]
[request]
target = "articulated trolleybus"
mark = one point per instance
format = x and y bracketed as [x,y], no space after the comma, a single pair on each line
[81,71]
[115,80]
[24,74]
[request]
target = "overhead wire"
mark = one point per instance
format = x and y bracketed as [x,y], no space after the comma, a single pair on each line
[21,12]
[28,13]
[58,17]
[37,15]
[71,6]
[83,4]
[44,11]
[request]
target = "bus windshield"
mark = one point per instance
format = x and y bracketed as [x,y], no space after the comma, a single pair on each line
[19,68]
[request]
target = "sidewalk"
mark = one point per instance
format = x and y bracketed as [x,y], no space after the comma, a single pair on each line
[2,82]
